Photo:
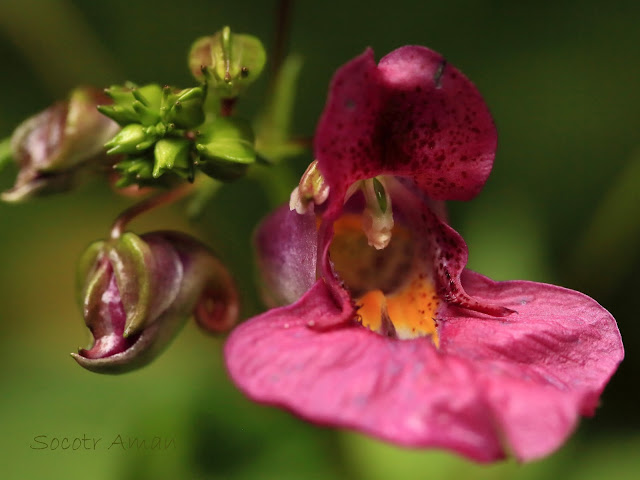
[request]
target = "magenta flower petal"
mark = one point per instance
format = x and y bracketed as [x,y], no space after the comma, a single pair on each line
[523,381]
[447,250]
[560,341]
[351,377]
[284,243]
[413,115]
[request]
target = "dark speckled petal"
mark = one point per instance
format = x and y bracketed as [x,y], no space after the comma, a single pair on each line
[414,116]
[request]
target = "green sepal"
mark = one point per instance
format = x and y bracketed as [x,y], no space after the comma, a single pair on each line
[227,62]
[173,154]
[131,139]
[85,274]
[226,148]
[91,302]
[130,257]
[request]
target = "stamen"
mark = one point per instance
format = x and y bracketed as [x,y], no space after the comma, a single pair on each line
[312,190]
[296,203]
[377,218]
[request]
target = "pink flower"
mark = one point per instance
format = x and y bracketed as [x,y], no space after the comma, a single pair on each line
[392,336]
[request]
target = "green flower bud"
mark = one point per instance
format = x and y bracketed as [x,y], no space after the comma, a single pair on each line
[183,108]
[137,292]
[132,104]
[173,154]
[131,139]
[122,115]
[225,148]
[227,62]
[58,147]
[135,171]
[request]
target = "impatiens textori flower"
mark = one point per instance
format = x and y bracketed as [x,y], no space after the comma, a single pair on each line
[137,292]
[385,331]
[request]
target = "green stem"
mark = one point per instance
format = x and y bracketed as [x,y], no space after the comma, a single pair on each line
[283,27]
[277,181]
[6,155]
[146,205]
[205,189]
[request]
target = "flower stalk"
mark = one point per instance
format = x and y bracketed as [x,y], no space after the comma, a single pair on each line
[166,198]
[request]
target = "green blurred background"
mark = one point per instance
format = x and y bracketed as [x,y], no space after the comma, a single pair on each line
[562,206]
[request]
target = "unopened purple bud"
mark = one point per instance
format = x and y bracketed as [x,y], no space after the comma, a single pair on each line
[136,292]
[57,147]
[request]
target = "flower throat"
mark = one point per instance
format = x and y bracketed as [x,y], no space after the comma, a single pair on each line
[392,289]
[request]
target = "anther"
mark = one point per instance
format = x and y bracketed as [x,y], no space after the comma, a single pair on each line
[312,190]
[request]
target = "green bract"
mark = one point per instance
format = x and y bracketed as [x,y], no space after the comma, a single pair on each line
[227,62]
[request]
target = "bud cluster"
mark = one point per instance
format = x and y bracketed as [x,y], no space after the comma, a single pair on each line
[170,133]
[136,292]
[154,136]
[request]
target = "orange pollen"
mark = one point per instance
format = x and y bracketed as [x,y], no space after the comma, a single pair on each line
[394,291]
[407,313]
